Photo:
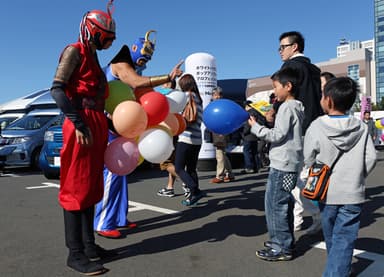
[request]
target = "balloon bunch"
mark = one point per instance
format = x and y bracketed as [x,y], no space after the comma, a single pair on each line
[379,123]
[146,121]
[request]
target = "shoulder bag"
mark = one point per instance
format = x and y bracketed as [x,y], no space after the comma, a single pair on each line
[190,110]
[317,183]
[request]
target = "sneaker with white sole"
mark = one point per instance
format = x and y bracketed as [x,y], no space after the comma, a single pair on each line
[186,189]
[272,255]
[166,192]
[193,198]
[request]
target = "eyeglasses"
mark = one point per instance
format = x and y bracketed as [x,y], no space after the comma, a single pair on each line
[283,46]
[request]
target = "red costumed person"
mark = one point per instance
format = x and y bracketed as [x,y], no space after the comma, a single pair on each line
[79,89]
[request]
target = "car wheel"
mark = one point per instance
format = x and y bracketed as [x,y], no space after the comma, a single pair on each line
[35,159]
[50,175]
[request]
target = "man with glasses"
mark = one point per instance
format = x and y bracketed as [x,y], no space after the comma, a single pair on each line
[291,51]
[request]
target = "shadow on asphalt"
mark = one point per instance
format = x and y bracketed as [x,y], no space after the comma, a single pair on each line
[247,199]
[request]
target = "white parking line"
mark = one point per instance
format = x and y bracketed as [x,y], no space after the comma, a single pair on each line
[374,269]
[10,175]
[45,185]
[136,205]
[152,208]
[135,209]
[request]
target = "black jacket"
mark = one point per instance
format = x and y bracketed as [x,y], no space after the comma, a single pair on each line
[309,92]
[246,134]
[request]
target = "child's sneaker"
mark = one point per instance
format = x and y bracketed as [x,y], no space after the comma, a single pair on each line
[272,255]
[193,198]
[186,189]
[166,192]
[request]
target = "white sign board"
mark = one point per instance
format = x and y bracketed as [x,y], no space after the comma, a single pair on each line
[202,66]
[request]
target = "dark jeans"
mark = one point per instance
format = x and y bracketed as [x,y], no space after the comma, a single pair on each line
[186,157]
[251,155]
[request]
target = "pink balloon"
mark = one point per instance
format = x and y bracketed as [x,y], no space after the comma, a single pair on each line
[122,156]
[382,137]
[129,119]
[156,106]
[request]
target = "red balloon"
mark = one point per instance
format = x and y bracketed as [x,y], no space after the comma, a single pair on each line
[156,106]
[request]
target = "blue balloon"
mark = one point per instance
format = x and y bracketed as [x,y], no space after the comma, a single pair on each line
[224,116]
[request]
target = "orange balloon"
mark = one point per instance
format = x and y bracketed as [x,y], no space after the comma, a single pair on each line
[182,123]
[129,119]
[171,123]
[163,127]
[141,91]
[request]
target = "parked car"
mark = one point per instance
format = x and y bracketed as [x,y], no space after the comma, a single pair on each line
[21,141]
[49,160]
[25,103]
[8,118]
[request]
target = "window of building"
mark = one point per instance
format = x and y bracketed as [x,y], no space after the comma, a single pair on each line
[380,28]
[380,69]
[380,38]
[353,71]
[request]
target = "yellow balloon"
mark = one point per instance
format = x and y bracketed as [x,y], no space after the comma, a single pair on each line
[141,160]
[378,124]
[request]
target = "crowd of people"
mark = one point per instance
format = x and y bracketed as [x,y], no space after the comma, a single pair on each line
[309,122]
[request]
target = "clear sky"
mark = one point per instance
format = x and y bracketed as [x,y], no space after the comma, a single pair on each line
[242,35]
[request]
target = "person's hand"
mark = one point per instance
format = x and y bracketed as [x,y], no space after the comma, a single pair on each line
[251,120]
[84,139]
[270,115]
[176,71]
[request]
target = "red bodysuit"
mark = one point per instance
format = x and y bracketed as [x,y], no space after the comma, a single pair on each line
[81,169]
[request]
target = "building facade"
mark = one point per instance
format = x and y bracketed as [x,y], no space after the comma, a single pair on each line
[379,48]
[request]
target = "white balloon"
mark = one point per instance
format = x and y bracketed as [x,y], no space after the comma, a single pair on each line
[155,145]
[177,101]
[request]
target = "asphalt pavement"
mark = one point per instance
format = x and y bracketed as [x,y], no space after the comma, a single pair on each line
[218,237]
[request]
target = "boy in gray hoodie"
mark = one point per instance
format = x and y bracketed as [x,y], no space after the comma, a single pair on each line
[286,160]
[327,136]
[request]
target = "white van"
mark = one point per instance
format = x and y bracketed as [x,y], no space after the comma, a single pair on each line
[23,103]
[19,107]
